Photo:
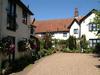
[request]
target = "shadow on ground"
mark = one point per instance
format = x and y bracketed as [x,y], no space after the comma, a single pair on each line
[96,55]
[97,66]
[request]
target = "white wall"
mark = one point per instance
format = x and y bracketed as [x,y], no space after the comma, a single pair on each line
[74,26]
[60,36]
[85,28]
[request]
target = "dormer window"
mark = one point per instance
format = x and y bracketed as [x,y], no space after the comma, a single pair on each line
[24,15]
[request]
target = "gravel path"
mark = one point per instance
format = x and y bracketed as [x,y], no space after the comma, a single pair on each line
[64,64]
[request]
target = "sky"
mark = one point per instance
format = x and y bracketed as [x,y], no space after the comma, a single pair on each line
[59,9]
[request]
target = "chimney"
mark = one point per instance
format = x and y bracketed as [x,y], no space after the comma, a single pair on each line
[76,14]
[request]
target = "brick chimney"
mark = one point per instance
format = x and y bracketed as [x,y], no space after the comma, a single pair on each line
[76,14]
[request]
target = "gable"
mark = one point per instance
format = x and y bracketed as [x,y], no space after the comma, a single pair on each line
[86,16]
[74,21]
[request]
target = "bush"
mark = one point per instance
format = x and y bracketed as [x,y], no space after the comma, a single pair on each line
[62,42]
[1,47]
[48,41]
[42,43]
[67,50]
[21,46]
[97,48]
[83,42]
[72,43]
[44,52]
[89,50]
[21,63]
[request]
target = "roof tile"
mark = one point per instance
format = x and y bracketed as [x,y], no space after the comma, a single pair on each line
[54,25]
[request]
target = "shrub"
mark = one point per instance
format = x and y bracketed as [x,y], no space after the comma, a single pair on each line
[21,46]
[48,41]
[44,52]
[1,47]
[4,47]
[72,42]
[62,42]
[42,43]
[67,50]
[97,48]
[83,42]
[89,50]
[21,63]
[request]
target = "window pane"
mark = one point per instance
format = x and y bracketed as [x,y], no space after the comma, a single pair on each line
[94,41]
[91,45]
[94,45]
[64,34]
[75,31]
[90,27]
[94,27]
[90,41]
[98,41]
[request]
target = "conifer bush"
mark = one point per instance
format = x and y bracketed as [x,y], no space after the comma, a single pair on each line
[97,48]
[72,43]
[48,41]
[83,42]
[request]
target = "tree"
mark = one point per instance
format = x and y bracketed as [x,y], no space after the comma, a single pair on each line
[72,43]
[97,21]
[48,41]
[83,42]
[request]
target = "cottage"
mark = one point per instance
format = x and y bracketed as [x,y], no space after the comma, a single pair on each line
[15,21]
[77,26]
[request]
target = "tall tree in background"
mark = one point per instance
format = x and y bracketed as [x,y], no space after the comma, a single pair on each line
[97,21]
[48,41]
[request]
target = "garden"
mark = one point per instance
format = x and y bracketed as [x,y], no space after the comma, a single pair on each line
[34,49]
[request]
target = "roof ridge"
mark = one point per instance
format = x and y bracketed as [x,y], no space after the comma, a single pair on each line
[60,19]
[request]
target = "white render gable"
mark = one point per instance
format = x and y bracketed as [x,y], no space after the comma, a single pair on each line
[74,30]
[85,28]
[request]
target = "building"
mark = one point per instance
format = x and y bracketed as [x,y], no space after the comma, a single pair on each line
[15,21]
[76,26]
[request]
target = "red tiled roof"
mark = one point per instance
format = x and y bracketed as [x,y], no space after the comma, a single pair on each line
[54,25]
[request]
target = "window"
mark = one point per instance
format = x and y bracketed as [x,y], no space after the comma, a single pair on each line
[31,30]
[24,15]
[93,27]
[11,15]
[64,34]
[75,31]
[98,27]
[93,42]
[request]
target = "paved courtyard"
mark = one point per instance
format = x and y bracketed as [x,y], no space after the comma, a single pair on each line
[64,64]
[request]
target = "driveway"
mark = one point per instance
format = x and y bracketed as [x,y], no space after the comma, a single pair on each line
[64,64]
